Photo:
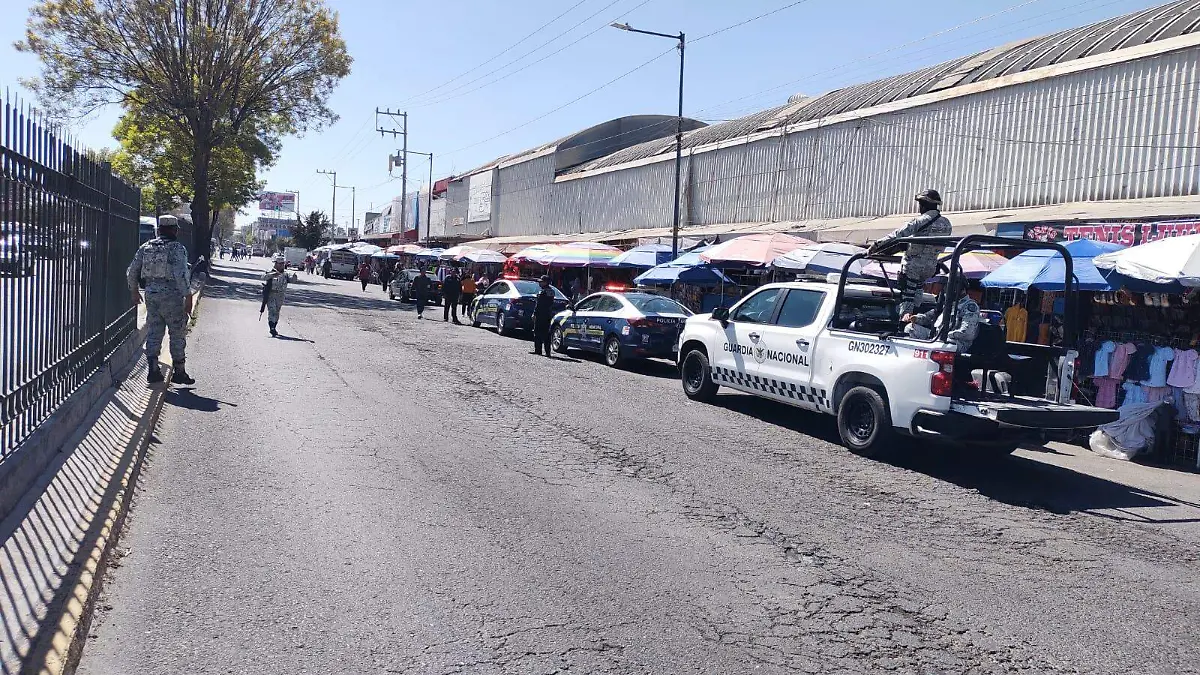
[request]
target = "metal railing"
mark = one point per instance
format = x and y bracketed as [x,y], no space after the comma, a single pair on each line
[68,229]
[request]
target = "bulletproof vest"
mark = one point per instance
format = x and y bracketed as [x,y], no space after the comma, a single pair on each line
[156,261]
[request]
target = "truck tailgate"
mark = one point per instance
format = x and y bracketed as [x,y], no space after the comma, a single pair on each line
[1035,413]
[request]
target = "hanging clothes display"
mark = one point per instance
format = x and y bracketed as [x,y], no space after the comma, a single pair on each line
[1016,323]
[1183,370]
[1103,358]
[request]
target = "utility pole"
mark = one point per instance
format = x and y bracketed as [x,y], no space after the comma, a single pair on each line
[429,209]
[333,217]
[402,131]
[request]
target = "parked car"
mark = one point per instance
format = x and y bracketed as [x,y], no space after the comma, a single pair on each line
[257,251]
[620,326]
[508,305]
[13,260]
[401,287]
[294,257]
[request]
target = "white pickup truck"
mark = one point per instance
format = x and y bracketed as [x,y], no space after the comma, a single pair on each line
[839,349]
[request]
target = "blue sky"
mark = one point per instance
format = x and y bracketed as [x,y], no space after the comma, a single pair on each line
[445,70]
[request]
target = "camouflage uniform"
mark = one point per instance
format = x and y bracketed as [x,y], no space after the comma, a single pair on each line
[162,264]
[919,262]
[279,283]
[924,326]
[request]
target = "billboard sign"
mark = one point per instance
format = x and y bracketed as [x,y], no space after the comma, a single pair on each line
[479,197]
[1126,234]
[277,201]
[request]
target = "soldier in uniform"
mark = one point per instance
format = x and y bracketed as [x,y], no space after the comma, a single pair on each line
[161,266]
[278,278]
[919,262]
[966,313]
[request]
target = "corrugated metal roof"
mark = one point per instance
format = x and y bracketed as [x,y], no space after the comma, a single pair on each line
[1131,30]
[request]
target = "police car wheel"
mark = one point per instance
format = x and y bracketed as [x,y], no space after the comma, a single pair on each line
[864,422]
[696,374]
[612,353]
[475,318]
[501,327]
[557,341]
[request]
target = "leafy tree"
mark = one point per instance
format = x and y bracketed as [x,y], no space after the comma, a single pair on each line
[311,231]
[154,154]
[206,69]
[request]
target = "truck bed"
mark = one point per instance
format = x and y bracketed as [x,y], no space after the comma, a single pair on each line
[1033,413]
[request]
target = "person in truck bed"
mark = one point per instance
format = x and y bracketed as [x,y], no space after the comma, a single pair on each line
[966,311]
[919,262]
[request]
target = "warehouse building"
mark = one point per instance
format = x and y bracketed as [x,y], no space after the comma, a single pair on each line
[1096,123]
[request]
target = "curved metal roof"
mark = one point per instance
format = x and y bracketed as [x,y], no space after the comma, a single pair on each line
[1139,28]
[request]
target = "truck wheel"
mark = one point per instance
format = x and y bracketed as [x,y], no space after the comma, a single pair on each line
[696,374]
[865,423]
[557,341]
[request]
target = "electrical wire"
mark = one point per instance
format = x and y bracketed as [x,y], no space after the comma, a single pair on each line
[498,55]
[750,20]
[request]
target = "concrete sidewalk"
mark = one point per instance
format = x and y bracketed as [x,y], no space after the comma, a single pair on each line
[59,538]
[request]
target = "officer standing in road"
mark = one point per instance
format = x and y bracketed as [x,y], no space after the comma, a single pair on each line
[919,262]
[420,292]
[160,265]
[543,312]
[278,278]
[451,290]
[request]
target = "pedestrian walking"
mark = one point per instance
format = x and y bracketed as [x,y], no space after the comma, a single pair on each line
[308,260]
[385,275]
[275,283]
[326,267]
[451,290]
[364,274]
[543,312]
[160,266]
[468,293]
[576,289]
[420,292]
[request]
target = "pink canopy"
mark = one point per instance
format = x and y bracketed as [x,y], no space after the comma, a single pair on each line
[753,249]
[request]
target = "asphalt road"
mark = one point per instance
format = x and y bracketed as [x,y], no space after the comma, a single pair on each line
[380,494]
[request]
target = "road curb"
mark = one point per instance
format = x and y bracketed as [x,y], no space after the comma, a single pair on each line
[59,651]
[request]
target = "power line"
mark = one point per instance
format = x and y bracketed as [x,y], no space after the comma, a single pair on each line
[750,20]
[447,95]
[498,55]
[568,103]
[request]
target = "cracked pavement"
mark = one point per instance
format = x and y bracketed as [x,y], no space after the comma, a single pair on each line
[381,494]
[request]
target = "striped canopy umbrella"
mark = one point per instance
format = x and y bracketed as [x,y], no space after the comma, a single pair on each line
[529,253]
[581,254]
[756,250]
[819,258]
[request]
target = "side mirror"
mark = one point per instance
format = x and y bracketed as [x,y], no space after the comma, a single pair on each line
[721,314]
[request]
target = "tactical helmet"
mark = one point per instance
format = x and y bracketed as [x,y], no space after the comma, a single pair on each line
[279,258]
[168,222]
[930,196]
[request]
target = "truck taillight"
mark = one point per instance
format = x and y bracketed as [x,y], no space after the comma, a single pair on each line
[942,382]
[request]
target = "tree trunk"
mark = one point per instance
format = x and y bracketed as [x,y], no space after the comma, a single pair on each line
[201,209]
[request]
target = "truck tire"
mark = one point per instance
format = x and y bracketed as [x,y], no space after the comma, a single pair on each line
[696,375]
[865,423]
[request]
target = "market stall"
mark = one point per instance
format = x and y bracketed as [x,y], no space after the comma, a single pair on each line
[692,281]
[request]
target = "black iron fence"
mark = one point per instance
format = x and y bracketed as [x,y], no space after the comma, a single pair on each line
[68,229]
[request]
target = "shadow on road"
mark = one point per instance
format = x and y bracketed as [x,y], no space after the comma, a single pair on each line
[188,398]
[289,338]
[1013,480]
[300,294]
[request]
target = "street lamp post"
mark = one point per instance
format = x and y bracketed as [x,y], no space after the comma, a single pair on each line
[678,127]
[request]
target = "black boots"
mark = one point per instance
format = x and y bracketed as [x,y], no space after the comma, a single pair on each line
[274,332]
[180,375]
[154,375]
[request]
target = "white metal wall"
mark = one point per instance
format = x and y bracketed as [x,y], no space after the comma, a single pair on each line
[1125,131]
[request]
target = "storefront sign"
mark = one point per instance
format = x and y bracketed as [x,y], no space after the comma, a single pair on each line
[1126,234]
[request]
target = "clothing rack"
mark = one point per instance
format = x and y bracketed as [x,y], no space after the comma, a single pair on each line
[1137,336]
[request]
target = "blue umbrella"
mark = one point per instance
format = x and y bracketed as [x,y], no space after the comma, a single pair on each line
[647,255]
[688,268]
[1046,269]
